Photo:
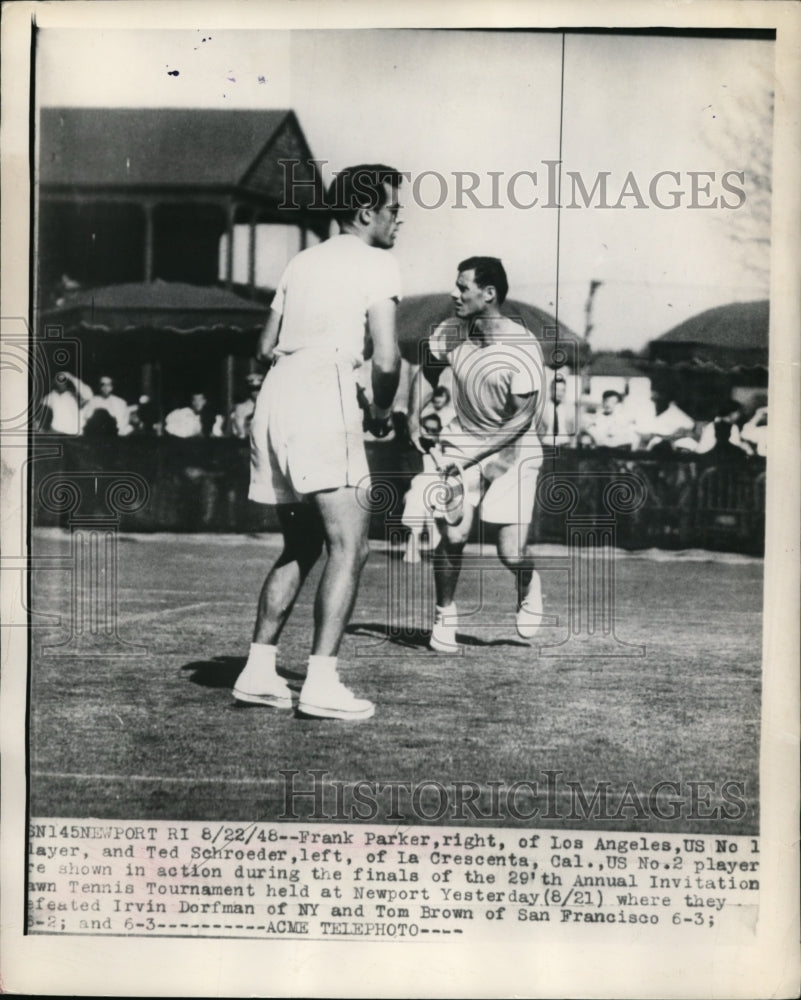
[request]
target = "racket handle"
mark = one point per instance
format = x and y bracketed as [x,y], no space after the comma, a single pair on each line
[439,459]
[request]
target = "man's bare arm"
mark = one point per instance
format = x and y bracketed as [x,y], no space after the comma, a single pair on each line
[421,395]
[524,405]
[386,356]
[269,337]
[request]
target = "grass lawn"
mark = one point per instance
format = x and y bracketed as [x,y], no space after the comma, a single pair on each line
[157,734]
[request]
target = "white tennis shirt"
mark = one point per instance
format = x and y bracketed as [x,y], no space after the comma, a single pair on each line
[325,292]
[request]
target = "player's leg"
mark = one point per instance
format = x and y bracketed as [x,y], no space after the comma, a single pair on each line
[259,682]
[414,516]
[509,503]
[447,563]
[345,520]
[515,554]
[303,542]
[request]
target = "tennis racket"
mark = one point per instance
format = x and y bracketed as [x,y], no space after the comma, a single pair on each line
[447,496]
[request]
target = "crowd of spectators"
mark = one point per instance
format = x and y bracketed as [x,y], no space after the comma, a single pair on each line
[657,425]
[661,426]
[72,408]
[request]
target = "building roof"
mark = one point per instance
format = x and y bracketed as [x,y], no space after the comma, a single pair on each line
[736,326]
[167,307]
[159,147]
[610,363]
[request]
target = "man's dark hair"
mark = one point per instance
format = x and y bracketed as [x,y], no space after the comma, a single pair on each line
[488,271]
[722,429]
[728,406]
[433,418]
[612,392]
[359,187]
[100,424]
[442,390]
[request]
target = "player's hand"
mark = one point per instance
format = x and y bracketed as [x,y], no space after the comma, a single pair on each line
[377,422]
[420,442]
[374,420]
[452,469]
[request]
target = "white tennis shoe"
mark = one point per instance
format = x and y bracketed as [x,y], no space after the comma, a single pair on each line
[328,698]
[529,614]
[443,631]
[273,692]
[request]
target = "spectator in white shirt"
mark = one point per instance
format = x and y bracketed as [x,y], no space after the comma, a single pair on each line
[196,420]
[612,428]
[65,401]
[558,424]
[114,405]
[669,425]
[755,432]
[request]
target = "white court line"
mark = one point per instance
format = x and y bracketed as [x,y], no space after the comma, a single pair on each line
[127,619]
[65,776]
[560,792]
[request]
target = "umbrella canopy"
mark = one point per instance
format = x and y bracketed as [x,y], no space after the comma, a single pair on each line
[165,307]
[419,315]
[726,338]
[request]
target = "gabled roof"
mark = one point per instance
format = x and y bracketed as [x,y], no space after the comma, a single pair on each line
[159,147]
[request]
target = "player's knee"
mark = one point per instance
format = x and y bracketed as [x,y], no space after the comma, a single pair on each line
[453,538]
[362,552]
[514,556]
[349,548]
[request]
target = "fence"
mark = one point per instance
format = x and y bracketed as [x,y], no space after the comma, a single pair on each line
[666,501]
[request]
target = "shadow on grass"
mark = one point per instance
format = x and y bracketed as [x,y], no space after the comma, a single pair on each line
[222,671]
[413,638]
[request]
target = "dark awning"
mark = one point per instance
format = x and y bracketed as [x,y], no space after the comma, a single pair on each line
[734,336]
[161,306]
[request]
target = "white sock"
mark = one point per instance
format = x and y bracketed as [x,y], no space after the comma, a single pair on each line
[321,669]
[534,589]
[261,660]
[449,610]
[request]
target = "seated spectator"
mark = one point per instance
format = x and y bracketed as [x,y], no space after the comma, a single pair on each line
[730,413]
[669,428]
[755,432]
[64,404]
[115,406]
[242,413]
[723,449]
[441,404]
[144,418]
[417,516]
[196,420]
[100,424]
[611,428]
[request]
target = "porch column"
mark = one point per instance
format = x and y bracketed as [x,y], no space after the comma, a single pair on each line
[149,240]
[252,253]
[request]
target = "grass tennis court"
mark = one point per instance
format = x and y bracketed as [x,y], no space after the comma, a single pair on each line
[157,735]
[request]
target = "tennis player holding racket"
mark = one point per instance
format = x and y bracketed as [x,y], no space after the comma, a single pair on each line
[490,452]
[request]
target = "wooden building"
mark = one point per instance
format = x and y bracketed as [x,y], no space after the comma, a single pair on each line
[196,197]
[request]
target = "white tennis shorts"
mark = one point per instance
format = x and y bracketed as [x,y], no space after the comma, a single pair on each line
[306,435]
[503,486]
